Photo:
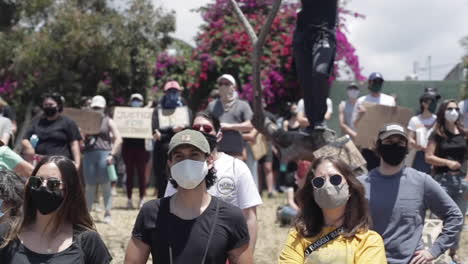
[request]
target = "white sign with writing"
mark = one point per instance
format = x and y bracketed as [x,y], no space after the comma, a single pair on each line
[133,122]
[178,117]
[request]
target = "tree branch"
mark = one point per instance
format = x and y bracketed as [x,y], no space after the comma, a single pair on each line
[245,22]
[267,26]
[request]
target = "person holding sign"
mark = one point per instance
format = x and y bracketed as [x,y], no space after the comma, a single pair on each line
[99,152]
[334,223]
[53,133]
[375,85]
[135,158]
[169,117]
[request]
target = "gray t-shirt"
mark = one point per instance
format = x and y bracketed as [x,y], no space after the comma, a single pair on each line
[398,206]
[239,112]
[5,126]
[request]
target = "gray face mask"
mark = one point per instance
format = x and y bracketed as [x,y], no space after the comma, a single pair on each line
[331,196]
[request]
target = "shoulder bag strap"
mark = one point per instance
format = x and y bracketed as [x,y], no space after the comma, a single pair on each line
[323,241]
[213,227]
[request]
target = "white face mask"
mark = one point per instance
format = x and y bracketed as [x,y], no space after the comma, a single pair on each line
[451,116]
[189,173]
[353,93]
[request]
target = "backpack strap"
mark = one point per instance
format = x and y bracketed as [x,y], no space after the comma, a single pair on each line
[323,241]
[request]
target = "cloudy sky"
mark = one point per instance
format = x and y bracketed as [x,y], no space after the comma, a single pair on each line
[394,35]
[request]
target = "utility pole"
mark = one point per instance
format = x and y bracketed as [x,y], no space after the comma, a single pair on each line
[429,67]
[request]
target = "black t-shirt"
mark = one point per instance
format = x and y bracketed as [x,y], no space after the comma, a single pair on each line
[452,148]
[87,248]
[54,136]
[318,12]
[159,228]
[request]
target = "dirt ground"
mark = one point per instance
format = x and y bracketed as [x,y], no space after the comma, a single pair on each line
[271,236]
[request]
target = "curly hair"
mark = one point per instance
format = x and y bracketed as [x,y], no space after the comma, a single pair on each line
[11,191]
[357,217]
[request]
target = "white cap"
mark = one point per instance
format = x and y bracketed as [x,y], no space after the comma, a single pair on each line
[136,96]
[98,101]
[229,78]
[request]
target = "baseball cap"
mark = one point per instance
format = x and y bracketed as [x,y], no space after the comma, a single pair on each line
[353,85]
[172,85]
[429,91]
[98,101]
[391,130]
[190,137]
[228,77]
[376,75]
[136,96]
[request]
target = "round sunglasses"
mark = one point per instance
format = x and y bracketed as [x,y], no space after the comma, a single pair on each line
[319,182]
[52,183]
[206,128]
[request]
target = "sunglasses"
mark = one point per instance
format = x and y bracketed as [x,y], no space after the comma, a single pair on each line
[206,128]
[319,182]
[53,184]
[453,108]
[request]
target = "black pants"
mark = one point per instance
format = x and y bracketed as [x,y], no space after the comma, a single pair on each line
[160,167]
[314,54]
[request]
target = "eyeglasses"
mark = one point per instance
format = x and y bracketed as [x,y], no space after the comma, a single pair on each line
[206,128]
[53,184]
[319,182]
[453,108]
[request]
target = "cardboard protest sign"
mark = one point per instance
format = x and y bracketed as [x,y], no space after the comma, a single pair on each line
[375,117]
[178,117]
[260,147]
[87,120]
[133,122]
[344,149]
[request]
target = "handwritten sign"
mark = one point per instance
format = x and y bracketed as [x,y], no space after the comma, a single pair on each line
[133,122]
[178,117]
[87,120]
[344,149]
[375,117]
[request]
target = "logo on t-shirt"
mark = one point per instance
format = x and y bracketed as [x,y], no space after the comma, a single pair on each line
[226,185]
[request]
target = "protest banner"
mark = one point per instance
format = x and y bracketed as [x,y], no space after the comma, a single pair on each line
[133,122]
[375,117]
[88,121]
[344,149]
[178,117]
[260,147]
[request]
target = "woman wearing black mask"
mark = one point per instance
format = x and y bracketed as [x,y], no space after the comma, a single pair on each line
[55,227]
[334,211]
[53,133]
[446,152]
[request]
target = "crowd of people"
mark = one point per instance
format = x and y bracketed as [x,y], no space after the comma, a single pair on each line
[208,194]
[209,174]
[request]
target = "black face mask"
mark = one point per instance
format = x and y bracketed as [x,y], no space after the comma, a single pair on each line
[50,111]
[46,201]
[212,140]
[393,154]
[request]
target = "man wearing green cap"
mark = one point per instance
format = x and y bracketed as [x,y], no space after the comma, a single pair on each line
[191,226]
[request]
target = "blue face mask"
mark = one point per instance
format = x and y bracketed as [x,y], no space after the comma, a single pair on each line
[136,103]
[171,99]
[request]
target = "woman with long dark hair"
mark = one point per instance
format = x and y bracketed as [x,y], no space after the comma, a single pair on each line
[446,152]
[418,130]
[56,226]
[334,221]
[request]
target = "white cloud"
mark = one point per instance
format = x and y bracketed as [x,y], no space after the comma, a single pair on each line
[393,35]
